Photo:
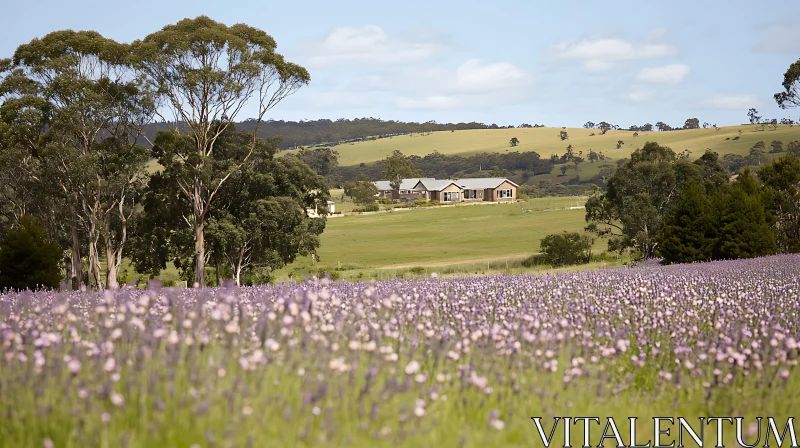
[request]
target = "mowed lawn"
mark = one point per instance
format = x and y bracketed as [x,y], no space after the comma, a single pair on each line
[546,141]
[447,235]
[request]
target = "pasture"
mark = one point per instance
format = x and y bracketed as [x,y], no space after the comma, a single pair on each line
[546,141]
[436,362]
[468,236]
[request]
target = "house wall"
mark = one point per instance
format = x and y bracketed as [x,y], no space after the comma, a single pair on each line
[504,186]
[452,188]
[478,195]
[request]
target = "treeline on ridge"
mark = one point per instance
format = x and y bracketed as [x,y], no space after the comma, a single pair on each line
[443,166]
[335,132]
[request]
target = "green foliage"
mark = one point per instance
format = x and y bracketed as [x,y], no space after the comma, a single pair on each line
[513,142]
[743,220]
[782,179]
[743,223]
[28,259]
[259,223]
[688,233]
[362,192]
[790,97]
[369,208]
[567,249]
[72,104]
[207,71]
[640,193]
[563,135]
[323,160]
[398,167]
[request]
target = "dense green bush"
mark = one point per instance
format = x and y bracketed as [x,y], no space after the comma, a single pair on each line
[535,260]
[369,208]
[28,259]
[566,248]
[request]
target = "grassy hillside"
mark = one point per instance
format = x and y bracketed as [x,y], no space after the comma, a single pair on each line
[546,141]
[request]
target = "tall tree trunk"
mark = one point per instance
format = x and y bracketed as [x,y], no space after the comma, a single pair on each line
[239,274]
[114,249]
[199,252]
[94,255]
[239,264]
[216,268]
[112,266]
[77,272]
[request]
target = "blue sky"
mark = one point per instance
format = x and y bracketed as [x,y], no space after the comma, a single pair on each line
[504,62]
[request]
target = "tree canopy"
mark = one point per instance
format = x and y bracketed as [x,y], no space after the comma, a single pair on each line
[398,167]
[206,72]
[790,96]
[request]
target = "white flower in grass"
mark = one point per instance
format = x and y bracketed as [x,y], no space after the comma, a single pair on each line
[412,368]
[117,399]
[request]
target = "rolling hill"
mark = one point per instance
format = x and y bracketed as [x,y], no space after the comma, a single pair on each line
[546,141]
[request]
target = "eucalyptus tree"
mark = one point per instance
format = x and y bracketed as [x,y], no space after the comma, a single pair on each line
[88,112]
[259,221]
[206,73]
[790,97]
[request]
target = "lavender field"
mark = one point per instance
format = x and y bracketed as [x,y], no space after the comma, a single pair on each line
[435,362]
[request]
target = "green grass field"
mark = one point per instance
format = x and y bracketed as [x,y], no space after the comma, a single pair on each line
[460,239]
[546,141]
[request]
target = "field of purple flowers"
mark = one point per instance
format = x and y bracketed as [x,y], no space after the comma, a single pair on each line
[455,362]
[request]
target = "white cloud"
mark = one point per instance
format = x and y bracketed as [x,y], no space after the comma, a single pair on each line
[669,74]
[731,101]
[472,84]
[601,54]
[639,96]
[368,45]
[333,100]
[780,38]
[656,34]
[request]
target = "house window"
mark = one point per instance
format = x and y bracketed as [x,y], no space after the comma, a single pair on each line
[451,196]
[504,194]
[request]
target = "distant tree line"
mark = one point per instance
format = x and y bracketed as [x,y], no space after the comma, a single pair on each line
[443,166]
[295,134]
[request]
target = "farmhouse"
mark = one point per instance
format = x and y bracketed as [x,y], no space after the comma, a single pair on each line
[407,189]
[440,190]
[488,189]
[452,191]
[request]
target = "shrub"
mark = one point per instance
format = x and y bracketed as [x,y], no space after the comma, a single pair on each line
[534,260]
[28,259]
[566,248]
[369,208]
[329,273]
[604,257]
[168,283]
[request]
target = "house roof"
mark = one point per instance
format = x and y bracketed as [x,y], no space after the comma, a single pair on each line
[436,184]
[405,184]
[480,183]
